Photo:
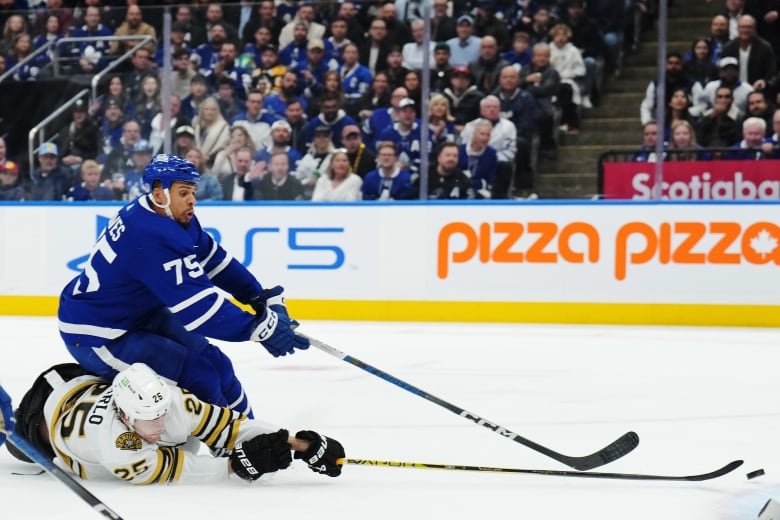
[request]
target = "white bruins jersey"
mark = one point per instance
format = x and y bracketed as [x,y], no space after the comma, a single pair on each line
[91,441]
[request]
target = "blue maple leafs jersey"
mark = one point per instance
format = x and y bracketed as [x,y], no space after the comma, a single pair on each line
[144,262]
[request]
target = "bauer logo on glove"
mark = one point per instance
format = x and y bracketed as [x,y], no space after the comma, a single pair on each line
[322,454]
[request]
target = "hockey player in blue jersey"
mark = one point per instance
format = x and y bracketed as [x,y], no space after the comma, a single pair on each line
[149,293]
[6,415]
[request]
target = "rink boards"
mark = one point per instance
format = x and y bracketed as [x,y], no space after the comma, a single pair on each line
[562,262]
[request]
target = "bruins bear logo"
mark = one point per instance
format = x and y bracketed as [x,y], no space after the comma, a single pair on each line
[128,441]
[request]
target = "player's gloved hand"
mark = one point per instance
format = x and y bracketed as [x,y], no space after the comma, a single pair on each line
[275,328]
[264,453]
[322,453]
[7,421]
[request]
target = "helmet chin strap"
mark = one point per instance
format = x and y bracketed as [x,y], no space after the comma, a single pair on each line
[167,206]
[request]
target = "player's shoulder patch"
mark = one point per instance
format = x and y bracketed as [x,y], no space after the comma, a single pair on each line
[128,441]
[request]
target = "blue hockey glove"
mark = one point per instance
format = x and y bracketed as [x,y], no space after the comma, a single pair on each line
[7,421]
[275,329]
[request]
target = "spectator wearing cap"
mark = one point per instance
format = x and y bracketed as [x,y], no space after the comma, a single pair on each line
[277,102]
[133,25]
[49,181]
[373,50]
[305,14]
[755,57]
[92,55]
[79,139]
[280,142]
[441,69]
[183,72]
[331,115]
[111,126]
[316,161]
[361,158]
[130,186]
[89,188]
[310,73]
[704,98]
[185,139]
[388,181]
[178,44]
[463,96]
[407,137]
[487,67]
[295,52]
[464,48]
[414,51]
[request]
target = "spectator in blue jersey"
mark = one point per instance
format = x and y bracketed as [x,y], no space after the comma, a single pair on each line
[227,68]
[280,143]
[49,181]
[388,181]
[209,187]
[355,78]
[339,31]
[332,116]
[751,145]
[294,53]
[140,157]
[310,72]
[52,32]
[520,53]
[151,292]
[382,118]
[199,91]
[277,102]
[120,160]
[90,188]
[111,126]
[21,49]
[91,55]
[406,134]
[446,180]
[646,151]
[207,53]
[771,145]
[479,160]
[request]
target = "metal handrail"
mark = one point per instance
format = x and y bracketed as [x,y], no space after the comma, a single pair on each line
[34,130]
[75,39]
[36,52]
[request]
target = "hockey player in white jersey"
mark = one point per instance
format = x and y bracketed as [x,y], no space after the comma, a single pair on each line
[149,293]
[143,430]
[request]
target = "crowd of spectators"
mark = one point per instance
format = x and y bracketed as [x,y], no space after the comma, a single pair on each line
[722,92]
[299,100]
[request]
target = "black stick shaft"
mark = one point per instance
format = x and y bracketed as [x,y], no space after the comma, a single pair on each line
[623,445]
[55,471]
[728,468]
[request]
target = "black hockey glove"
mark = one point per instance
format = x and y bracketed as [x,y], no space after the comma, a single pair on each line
[322,453]
[262,454]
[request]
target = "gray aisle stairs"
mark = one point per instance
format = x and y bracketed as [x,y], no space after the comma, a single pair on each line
[615,122]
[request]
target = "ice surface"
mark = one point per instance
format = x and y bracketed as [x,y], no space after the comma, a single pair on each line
[698,397]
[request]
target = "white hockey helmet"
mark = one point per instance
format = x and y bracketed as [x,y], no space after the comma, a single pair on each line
[141,394]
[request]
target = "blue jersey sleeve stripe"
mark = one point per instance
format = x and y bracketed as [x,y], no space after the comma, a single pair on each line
[214,248]
[207,315]
[108,358]
[195,298]
[90,330]
[219,268]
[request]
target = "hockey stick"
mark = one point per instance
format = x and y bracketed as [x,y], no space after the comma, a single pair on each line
[623,445]
[728,468]
[55,471]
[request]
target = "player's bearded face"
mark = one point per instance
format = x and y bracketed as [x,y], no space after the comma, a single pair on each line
[182,202]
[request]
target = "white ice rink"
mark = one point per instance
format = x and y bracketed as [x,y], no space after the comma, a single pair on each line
[697,397]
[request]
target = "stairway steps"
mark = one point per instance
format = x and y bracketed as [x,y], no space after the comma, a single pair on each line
[568,185]
[627,85]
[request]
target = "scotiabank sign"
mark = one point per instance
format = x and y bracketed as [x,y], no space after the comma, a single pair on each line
[694,180]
